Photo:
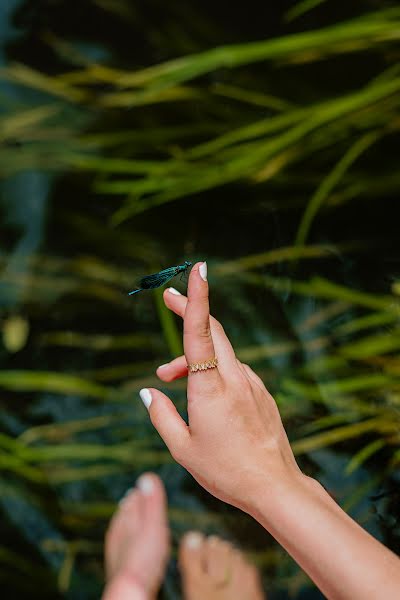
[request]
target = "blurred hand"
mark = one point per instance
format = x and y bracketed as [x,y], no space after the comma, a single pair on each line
[235,444]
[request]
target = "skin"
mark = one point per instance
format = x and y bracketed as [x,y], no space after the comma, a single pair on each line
[236,447]
[137,548]
[215,570]
[137,543]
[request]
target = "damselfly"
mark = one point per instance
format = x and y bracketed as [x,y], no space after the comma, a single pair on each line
[155,280]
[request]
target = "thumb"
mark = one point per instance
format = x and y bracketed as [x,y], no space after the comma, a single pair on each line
[168,422]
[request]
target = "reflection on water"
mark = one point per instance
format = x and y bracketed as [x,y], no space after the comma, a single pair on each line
[107,175]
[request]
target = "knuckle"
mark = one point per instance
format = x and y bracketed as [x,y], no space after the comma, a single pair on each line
[201,330]
[248,371]
[242,374]
[204,332]
[241,367]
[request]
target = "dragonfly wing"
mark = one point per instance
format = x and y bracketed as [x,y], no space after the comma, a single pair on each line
[157,279]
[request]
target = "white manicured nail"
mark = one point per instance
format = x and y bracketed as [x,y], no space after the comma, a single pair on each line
[145,395]
[193,540]
[145,485]
[203,271]
[174,291]
[162,366]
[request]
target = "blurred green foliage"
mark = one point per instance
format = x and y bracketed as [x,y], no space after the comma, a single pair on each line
[276,161]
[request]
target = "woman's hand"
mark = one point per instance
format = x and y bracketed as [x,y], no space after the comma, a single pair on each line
[235,444]
[236,447]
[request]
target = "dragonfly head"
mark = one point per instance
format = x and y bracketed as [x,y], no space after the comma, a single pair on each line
[188,264]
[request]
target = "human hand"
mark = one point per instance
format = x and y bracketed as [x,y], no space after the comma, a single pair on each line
[235,443]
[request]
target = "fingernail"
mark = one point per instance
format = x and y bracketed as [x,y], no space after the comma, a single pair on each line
[145,485]
[174,291]
[193,540]
[162,366]
[145,395]
[203,271]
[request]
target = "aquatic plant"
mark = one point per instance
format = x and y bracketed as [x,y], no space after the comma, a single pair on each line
[298,129]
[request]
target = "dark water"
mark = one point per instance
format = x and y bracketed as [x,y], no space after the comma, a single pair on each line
[65,270]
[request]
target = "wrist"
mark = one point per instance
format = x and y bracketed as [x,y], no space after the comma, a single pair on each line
[304,519]
[289,491]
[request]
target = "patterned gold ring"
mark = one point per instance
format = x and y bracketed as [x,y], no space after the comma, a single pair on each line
[211,363]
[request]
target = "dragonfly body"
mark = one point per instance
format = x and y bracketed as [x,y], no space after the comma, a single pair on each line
[156,280]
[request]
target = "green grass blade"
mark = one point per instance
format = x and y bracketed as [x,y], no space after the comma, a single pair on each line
[329,183]
[340,434]
[49,381]
[364,454]
[171,332]
[349,36]
[323,288]
[372,346]
[367,322]
[301,8]
[278,255]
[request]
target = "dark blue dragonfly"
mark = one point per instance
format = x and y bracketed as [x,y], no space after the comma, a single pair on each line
[149,282]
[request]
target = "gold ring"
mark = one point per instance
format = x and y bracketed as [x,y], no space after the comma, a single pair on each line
[211,363]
